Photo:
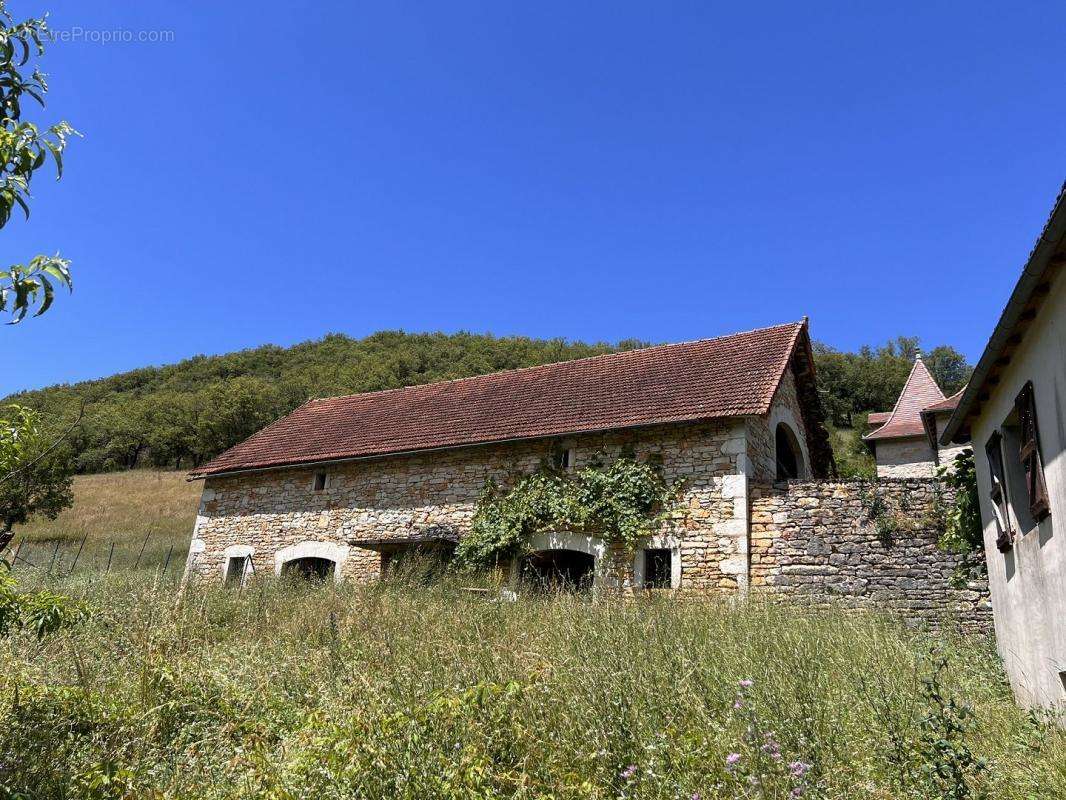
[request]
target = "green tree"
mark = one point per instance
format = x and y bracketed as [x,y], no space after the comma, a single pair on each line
[36,469]
[949,367]
[234,410]
[24,149]
[871,379]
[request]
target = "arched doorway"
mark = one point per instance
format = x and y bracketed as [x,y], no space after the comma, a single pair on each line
[559,570]
[787,454]
[318,570]
[323,561]
[561,561]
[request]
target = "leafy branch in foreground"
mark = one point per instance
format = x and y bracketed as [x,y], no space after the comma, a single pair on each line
[24,149]
[622,502]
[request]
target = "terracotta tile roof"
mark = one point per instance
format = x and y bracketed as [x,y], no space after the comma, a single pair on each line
[728,376]
[944,406]
[919,392]
[878,417]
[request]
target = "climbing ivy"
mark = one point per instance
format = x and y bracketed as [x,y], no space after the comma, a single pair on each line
[963,532]
[622,502]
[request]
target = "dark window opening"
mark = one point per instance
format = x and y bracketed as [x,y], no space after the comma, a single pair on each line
[236,568]
[309,569]
[559,570]
[658,572]
[787,452]
[320,481]
[998,492]
[563,458]
[1014,470]
[1029,455]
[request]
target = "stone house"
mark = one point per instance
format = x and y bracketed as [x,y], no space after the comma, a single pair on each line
[347,486]
[904,440]
[1013,413]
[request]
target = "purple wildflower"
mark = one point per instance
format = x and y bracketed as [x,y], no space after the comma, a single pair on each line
[798,769]
[731,760]
[629,771]
[746,684]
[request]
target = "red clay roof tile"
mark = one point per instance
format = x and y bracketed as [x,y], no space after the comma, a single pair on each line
[919,392]
[728,376]
[949,404]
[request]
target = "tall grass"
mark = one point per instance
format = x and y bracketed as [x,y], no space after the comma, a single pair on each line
[281,691]
[115,515]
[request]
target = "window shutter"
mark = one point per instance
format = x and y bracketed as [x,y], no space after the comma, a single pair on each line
[1029,453]
[994,453]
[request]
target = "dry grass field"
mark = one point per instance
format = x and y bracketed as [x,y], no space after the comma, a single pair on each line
[120,508]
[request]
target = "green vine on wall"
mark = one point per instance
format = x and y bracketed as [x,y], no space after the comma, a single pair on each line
[622,502]
[963,532]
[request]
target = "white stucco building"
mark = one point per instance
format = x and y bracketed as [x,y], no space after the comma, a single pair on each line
[1014,414]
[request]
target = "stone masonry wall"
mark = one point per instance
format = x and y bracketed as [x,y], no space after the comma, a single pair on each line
[870,544]
[277,511]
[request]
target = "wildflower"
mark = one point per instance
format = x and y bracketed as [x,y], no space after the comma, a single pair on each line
[695,796]
[798,791]
[738,703]
[629,772]
[746,684]
[798,769]
[731,760]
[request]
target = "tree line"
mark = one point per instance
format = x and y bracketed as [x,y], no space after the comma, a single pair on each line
[181,415]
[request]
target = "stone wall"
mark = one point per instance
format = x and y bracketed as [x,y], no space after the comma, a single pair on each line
[761,430]
[278,512]
[869,544]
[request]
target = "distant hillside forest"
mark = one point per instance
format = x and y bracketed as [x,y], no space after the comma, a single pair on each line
[181,415]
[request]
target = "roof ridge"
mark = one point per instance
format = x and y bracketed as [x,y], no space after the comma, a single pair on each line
[585,359]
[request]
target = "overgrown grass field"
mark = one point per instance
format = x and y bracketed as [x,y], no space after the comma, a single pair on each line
[130,510]
[283,691]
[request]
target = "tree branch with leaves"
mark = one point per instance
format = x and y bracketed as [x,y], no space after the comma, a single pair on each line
[25,148]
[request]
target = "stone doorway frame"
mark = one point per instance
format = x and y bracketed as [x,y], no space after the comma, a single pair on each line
[331,551]
[565,540]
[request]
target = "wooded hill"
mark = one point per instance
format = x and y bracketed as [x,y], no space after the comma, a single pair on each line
[180,415]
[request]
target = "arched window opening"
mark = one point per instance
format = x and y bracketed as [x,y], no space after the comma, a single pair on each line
[559,570]
[787,453]
[318,570]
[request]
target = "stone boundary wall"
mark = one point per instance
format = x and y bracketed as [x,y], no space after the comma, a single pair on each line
[867,543]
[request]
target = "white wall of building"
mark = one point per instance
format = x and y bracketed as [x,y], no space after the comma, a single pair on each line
[1028,584]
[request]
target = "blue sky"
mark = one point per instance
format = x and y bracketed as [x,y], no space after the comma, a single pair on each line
[595,171]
